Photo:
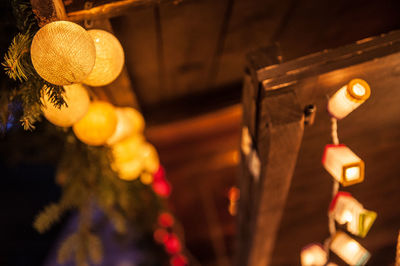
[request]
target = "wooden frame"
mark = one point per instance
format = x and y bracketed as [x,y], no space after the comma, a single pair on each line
[274,98]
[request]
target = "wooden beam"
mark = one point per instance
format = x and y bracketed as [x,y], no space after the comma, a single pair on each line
[279,139]
[113,9]
[48,10]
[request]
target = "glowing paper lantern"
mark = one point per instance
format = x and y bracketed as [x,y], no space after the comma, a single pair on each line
[347,210]
[172,244]
[127,149]
[130,122]
[109,59]
[98,124]
[63,53]
[178,260]
[313,254]
[149,157]
[348,98]
[349,250]
[160,235]
[146,178]
[343,164]
[165,220]
[77,100]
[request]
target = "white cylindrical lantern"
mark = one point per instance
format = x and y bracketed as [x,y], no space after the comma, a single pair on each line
[349,250]
[98,124]
[313,254]
[130,122]
[63,53]
[77,100]
[347,210]
[348,98]
[345,166]
[109,59]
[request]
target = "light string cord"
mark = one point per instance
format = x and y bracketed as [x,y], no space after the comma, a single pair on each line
[335,189]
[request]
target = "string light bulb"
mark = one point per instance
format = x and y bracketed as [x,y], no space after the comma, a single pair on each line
[347,210]
[343,164]
[98,124]
[130,122]
[63,53]
[349,250]
[77,104]
[109,59]
[348,98]
[313,254]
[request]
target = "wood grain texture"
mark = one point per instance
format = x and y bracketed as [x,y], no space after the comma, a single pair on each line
[48,10]
[372,131]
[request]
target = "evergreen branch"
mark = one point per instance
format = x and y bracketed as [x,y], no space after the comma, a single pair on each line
[68,248]
[50,215]
[17,62]
[95,248]
[55,94]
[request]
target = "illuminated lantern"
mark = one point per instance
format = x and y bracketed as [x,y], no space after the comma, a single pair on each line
[160,235]
[178,260]
[98,124]
[162,188]
[146,178]
[63,53]
[130,122]
[172,245]
[77,100]
[149,157]
[343,164]
[127,149]
[313,254]
[349,250]
[348,98]
[166,220]
[109,59]
[347,210]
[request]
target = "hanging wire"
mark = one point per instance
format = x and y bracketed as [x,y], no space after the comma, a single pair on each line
[335,189]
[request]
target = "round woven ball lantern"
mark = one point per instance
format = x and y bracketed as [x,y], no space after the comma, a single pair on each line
[98,124]
[130,122]
[149,157]
[127,149]
[77,100]
[63,53]
[109,59]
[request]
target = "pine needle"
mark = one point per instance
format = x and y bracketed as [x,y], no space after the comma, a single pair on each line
[17,62]
[50,215]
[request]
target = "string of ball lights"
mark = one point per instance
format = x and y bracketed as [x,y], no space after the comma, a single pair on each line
[65,54]
[347,169]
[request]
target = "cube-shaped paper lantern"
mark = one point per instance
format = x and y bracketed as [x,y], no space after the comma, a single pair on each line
[348,98]
[313,254]
[347,210]
[349,250]
[343,164]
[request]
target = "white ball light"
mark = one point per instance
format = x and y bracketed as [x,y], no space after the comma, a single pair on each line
[109,59]
[63,53]
[130,122]
[77,100]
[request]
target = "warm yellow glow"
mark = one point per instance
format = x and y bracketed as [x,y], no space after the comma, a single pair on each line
[349,250]
[109,59]
[352,173]
[348,217]
[129,170]
[146,178]
[150,157]
[313,254]
[130,122]
[343,164]
[358,89]
[63,53]
[98,124]
[125,150]
[348,98]
[77,100]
